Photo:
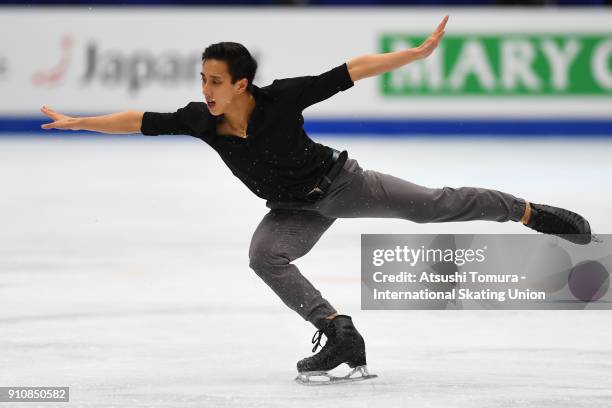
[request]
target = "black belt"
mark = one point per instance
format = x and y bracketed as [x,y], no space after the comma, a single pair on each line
[338,160]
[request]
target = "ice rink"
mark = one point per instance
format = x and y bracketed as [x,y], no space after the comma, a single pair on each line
[124,275]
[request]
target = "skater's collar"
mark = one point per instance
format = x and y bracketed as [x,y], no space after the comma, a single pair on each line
[256,116]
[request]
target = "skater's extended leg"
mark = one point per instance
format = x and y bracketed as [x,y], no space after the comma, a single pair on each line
[378,195]
[281,237]
[368,193]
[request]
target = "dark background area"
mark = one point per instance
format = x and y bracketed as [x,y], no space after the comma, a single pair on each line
[321,2]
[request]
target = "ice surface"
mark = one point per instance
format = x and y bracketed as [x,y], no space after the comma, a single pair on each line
[124,275]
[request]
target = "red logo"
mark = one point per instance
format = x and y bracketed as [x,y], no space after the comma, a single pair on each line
[52,76]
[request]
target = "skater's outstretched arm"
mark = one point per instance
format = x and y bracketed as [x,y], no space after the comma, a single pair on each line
[116,123]
[371,65]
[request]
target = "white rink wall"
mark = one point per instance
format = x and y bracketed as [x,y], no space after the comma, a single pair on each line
[501,63]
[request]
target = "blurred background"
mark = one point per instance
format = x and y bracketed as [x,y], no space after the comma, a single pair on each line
[503,68]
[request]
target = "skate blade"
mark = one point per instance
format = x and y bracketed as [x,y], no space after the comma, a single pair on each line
[306,378]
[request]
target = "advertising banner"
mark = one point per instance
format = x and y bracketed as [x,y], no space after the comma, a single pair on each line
[522,64]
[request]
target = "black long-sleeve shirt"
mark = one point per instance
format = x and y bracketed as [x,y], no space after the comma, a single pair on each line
[277,160]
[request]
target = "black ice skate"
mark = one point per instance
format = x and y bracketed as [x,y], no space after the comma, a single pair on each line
[560,222]
[344,345]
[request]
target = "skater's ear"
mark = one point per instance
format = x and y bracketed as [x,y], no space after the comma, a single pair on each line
[241,85]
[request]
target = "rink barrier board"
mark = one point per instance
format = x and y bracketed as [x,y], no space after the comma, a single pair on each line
[516,63]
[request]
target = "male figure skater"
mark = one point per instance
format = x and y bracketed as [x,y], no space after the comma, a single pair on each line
[258,132]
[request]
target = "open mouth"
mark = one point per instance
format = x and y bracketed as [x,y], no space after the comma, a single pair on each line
[211,104]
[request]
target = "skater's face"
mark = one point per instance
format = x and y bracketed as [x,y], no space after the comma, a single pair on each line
[217,87]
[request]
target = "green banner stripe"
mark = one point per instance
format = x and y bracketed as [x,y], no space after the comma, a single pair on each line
[500,65]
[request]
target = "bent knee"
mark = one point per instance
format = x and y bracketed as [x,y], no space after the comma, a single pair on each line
[264,258]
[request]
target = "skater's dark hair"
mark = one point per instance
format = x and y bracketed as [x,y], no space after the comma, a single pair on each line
[239,61]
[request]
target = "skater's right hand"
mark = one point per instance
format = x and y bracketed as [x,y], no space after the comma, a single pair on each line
[59,121]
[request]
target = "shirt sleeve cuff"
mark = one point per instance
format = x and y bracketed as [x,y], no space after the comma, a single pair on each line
[346,82]
[147,128]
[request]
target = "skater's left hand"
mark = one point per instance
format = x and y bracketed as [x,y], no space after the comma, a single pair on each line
[430,44]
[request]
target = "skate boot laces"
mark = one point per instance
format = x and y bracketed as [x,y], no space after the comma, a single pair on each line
[316,340]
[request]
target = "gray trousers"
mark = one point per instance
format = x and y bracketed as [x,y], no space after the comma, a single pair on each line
[291,229]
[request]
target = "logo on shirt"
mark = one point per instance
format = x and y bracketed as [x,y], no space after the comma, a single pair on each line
[136,70]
